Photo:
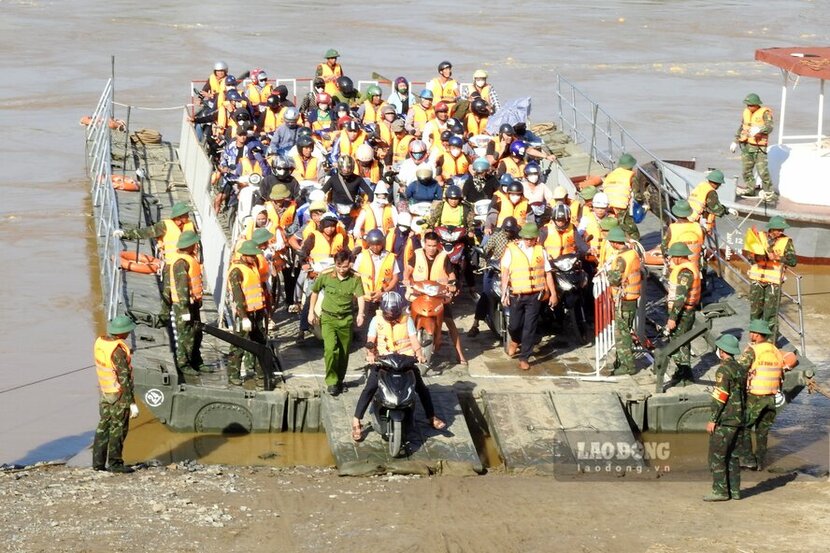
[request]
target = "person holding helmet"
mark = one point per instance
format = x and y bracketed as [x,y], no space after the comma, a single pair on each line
[368,166]
[526,282]
[351,137]
[559,236]
[330,71]
[433,129]
[726,421]
[484,91]
[425,188]
[492,249]
[377,269]
[347,190]
[683,300]
[705,203]
[766,275]
[625,277]
[753,138]
[499,147]
[475,122]
[347,93]
[378,214]
[369,111]
[117,402]
[443,87]
[392,331]
[765,368]
[401,97]
[248,300]
[215,84]
[514,205]
[455,162]
[258,90]
[420,114]
[284,138]
[479,183]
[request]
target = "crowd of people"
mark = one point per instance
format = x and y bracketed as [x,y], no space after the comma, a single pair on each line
[343,203]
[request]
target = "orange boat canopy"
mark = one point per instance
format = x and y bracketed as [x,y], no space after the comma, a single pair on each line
[807,61]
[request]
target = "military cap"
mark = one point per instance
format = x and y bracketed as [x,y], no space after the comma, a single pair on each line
[752,99]
[332,53]
[777,222]
[679,250]
[120,325]
[729,344]
[187,239]
[715,176]
[179,209]
[616,234]
[627,161]
[681,208]
[262,235]
[759,326]
[249,247]
[529,230]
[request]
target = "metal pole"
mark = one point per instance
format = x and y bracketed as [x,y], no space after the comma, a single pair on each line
[785,75]
[820,114]
[592,151]
[800,315]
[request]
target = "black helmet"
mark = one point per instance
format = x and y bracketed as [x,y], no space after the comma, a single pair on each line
[391,306]
[561,215]
[453,192]
[456,141]
[273,101]
[341,106]
[443,65]
[507,128]
[283,163]
[241,114]
[505,180]
[375,236]
[304,141]
[456,126]
[345,85]
[346,165]
[511,226]
[303,131]
[515,187]
[446,135]
[479,107]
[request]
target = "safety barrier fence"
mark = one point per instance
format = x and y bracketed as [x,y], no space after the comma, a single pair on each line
[216,249]
[603,320]
[104,200]
[586,123]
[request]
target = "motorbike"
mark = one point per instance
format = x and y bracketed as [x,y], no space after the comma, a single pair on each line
[452,240]
[496,317]
[317,267]
[570,280]
[393,407]
[427,310]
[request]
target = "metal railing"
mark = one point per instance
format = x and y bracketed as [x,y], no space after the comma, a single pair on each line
[104,200]
[605,139]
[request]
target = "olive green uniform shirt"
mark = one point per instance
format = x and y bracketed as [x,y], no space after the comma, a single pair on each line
[340,294]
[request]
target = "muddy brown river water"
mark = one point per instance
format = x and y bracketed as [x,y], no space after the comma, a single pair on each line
[672,72]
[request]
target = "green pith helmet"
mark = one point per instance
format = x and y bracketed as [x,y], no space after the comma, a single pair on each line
[607,223]
[679,250]
[777,223]
[616,234]
[179,209]
[373,90]
[279,192]
[752,99]
[187,239]
[120,325]
[332,53]
[249,247]
[262,236]
[729,344]
[681,208]
[760,326]
[588,193]
[627,161]
[715,176]
[529,230]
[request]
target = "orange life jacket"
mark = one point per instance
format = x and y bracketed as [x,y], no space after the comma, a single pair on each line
[560,243]
[507,209]
[514,168]
[750,120]
[422,271]
[251,287]
[400,147]
[687,233]
[454,166]
[693,294]
[371,112]
[323,248]
[257,95]
[104,366]
[194,272]
[171,236]
[393,337]
[769,271]
[632,278]
[347,147]
[764,376]
[420,115]
[305,169]
[372,280]
[526,276]
[476,125]
[326,72]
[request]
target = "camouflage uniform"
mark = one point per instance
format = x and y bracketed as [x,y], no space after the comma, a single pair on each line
[728,416]
[765,298]
[156,231]
[685,320]
[188,334]
[238,358]
[628,225]
[755,157]
[759,415]
[114,410]
[625,311]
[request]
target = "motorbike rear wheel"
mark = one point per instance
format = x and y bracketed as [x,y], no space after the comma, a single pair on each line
[427,344]
[395,437]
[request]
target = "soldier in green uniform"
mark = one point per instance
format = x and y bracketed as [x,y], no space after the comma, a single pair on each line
[683,299]
[724,426]
[764,364]
[248,299]
[767,274]
[116,406]
[626,279]
[186,301]
[626,222]
[753,137]
[341,285]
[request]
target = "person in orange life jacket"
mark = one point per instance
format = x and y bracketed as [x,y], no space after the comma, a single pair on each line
[258,90]
[401,98]
[475,122]
[378,214]
[683,300]
[403,242]
[484,91]
[280,206]
[492,251]
[185,276]
[391,330]
[369,110]
[438,152]
[216,82]
[443,87]
[424,260]
[753,138]
[511,203]
[684,230]
[431,132]
[705,203]
[765,368]
[526,281]
[330,71]
[558,220]
[455,163]
[309,101]
[766,275]
[377,269]
[117,404]
[420,114]
[270,118]
[348,140]
[248,302]
[347,189]
[499,147]
[225,121]
[625,278]
[308,164]
[384,126]
[368,166]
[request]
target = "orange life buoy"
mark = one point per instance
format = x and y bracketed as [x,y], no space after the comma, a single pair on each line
[140,263]
[790,359]
[122,182]
[86,120]
[654,257]
[113,124]
[583,182]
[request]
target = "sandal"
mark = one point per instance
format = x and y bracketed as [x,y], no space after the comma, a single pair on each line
[438,424]
[357,432]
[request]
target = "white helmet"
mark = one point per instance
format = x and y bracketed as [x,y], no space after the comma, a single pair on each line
[601,200]
[316,195]
[560,193]
[404,219]
[365,153]
[381,187]
[220,66]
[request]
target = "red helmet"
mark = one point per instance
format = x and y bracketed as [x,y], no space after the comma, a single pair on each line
[324,98]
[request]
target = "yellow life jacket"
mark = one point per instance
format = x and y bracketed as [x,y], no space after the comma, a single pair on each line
[526,276]
[326,72]
[476,125]
[251,287]
[305,169]
[250,167]
[374,281]
[217,85]
[617,186]
[764,377]
[273,119]
[687,233]
[324,124]
[454,166]
[194,272]
[421,116]
[370,221]
[371,112]
[452,216]
[372,172]
[483,92]
[750,120]
[103,350]
[347,147]
[256,95]
[560,243]
[693,294]
[400,147]
[514,168]
[286,219]
[769,271]
[697,199]
[447,92]
[632,278]
[393,337]
[507,209]
[422,271]
[323,248]
[171,236]
[386,134]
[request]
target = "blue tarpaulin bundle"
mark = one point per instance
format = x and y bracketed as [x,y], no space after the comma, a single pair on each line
[515,111]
